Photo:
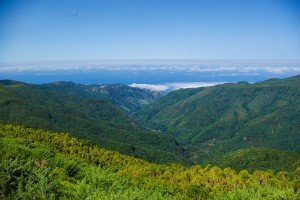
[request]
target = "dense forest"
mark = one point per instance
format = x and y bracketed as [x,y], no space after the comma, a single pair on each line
[69,141]
[49,107]
[130,99]
[210,121]
[36,164]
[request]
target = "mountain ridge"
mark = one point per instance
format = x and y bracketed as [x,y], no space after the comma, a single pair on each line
[128,98]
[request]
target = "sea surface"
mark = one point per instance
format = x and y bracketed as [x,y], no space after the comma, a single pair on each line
[171,73]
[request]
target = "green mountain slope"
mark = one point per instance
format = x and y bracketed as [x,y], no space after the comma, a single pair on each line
[42,165]
[259,159]
[228,117]
[128,98]
[96,120]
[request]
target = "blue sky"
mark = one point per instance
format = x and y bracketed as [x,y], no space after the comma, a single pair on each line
[49,30]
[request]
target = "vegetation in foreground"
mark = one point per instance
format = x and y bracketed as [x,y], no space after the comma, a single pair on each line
[42,165]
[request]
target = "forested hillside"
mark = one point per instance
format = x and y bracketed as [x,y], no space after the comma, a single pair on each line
[99,121]
[130,99]
[228,117]
[241,125]
[258,158]
[42,165]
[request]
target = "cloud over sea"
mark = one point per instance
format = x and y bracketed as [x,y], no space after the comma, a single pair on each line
[150,74]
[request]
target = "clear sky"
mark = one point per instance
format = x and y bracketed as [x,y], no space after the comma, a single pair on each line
[46,30]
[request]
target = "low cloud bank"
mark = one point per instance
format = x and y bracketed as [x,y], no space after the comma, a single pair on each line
[157,88]
[205,66]
[174,86]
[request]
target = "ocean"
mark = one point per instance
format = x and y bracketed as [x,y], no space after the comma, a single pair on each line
[163,72]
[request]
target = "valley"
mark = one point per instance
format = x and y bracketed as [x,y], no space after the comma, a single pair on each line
[206,142]
[50,107]
[149,100]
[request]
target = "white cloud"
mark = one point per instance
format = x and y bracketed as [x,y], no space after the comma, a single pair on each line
[277,67]
[157,88]
[174,86]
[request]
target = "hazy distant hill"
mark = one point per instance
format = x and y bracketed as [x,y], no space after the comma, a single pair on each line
[57,107]
[128,98]
[228,117]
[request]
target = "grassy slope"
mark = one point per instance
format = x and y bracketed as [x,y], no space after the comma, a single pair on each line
[97,120]
[228,117]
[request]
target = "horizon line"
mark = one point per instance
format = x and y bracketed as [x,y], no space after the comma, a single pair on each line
[149,60]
